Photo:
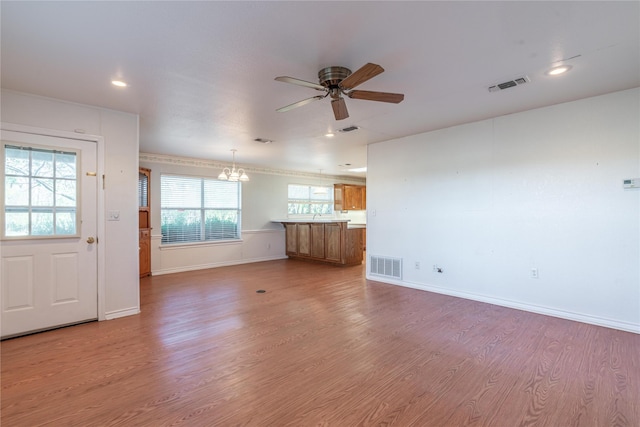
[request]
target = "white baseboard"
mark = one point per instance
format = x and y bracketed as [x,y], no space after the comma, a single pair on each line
[577,317]
[122,313]
[213,265]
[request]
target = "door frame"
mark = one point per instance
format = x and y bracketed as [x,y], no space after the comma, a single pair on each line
[100,196]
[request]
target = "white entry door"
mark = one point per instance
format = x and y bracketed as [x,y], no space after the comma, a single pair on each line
[48,251]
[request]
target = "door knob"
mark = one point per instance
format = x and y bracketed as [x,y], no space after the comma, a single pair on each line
[91,240]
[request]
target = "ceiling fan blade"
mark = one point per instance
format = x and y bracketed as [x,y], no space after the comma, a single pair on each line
[300,103]
[299,82]
[361,75]
[339,108]
[376,96]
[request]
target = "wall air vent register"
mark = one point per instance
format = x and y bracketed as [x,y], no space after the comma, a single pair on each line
[384,266]
[348,129]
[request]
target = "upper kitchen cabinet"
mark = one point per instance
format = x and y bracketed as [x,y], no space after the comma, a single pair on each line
[349,197]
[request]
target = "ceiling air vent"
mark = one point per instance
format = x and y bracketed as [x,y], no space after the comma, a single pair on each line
[511,83]
[348,129]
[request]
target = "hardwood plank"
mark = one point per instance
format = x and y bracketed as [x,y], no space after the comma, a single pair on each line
[322,346]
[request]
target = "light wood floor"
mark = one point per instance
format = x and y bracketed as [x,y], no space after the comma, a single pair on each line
[323,347]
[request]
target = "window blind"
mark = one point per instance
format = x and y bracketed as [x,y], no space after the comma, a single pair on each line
[195,209]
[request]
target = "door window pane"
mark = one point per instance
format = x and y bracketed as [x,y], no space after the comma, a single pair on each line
[65,192]
[16,161]
[41,223]
[42,163]
[66,165]
[16,223]
[16,191]
[41,192]
[66,222]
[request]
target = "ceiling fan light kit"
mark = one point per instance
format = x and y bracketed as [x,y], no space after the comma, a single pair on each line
[338,81]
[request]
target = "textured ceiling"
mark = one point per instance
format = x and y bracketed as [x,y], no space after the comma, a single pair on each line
[201,74]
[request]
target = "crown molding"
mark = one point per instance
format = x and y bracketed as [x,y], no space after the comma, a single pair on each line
[214,164]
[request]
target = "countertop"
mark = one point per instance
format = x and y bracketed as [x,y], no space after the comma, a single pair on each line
[321,221]
[356,225]
[303,220]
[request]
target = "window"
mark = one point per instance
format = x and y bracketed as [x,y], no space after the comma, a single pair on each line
[194,209]
[41,192]
[310,200]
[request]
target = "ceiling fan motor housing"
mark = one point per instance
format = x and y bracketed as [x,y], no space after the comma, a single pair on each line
[330,77]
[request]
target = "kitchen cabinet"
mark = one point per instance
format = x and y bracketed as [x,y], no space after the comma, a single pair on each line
[145,252]
[348,197]
[304,239]
[330,241]
[291,239]
[333,243]
[144,217]
[364,239]
[318,240]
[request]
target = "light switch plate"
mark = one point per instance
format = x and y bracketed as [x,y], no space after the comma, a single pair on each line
[113,216]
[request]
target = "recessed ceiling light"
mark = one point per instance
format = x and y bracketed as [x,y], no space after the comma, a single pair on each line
[119,83]
[558,70]
[329,134]
[363,169]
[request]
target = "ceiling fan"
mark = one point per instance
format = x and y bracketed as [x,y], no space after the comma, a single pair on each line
[338,81]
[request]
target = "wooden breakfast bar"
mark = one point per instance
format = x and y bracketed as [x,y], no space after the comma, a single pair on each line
[328,241]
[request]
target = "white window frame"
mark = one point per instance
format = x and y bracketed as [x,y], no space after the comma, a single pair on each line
[203,210]
[310,201]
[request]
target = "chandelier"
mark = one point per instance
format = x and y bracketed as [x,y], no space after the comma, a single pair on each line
[321,189]
[233,174]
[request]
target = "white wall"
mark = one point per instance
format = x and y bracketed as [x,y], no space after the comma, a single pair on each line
[119,130]
[264,198]
[489,201]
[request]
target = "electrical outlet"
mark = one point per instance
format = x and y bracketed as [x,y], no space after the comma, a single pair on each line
[417,265]
[534,273]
